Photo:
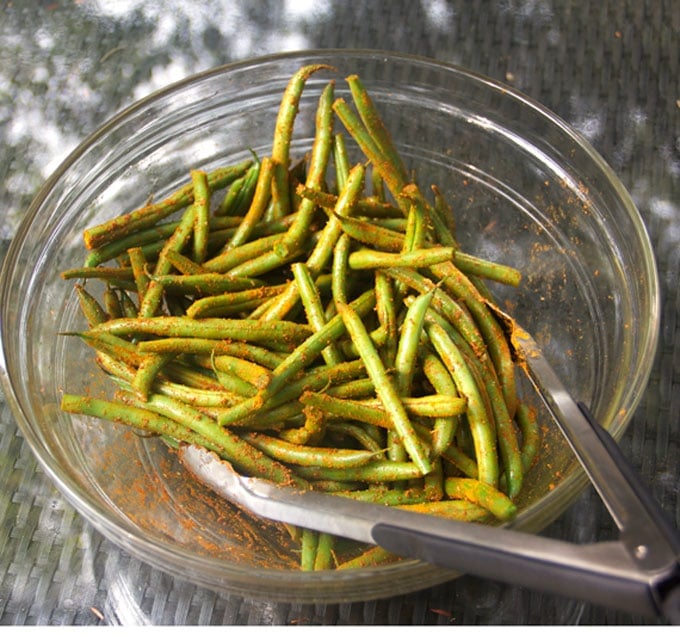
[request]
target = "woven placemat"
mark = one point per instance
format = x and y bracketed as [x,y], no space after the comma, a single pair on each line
[609,68]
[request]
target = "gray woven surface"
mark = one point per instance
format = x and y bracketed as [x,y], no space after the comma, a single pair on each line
[609,67]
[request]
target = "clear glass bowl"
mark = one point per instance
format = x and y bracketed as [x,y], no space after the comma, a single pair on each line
[526,190]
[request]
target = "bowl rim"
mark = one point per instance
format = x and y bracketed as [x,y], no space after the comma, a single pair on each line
[135,542]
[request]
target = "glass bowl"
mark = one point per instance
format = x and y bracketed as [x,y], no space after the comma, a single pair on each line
[526,189]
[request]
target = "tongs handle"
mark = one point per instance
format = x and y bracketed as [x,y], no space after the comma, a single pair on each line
[654,514]
[669,543]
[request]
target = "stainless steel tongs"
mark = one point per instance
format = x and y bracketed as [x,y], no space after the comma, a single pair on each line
[639,573]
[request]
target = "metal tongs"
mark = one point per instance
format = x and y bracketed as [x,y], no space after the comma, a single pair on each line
[639,573]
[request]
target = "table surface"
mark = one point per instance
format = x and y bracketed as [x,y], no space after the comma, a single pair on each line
[608,67]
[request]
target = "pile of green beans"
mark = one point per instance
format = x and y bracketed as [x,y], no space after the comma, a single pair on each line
[313,322]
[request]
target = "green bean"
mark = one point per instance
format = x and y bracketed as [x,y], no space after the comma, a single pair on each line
[377,186]
[324,377]
[243,308]
[339,268]
[230,382]
[136,417]
[367,206]
[481,494]
[321,150]
[376,472]
[210,397]
[393,179]
[150,251]
[267,262]
[372,410]
[481,287]
[269,421]
[117,347]
[199,391]
[474,266]
[531,434]
[336,458]
[150,366]
[312,430]
[150,241]
[195,345]
[183,264]
[354,389]
[280,204]
[389,497]
[384,238]
[196,397]
[211,328]
[356,432]
[372,557]
[335,487]
[347,408]
[308,548]
[370,233]
[429,406]
[322,252]
[445,425]
[324,552]
[454,455]
[129,308]
[150,214]
[192,376]
[460,510]
[139,264]
[249,371]
[384,387]
[199,180]
[227,260]
[232,303]
[180,237]
[149,305]
[313,309]
[258,205]
[378,335]
[117,247]
[205,283]
[101,273]
[374,125]
[414,238]
[240,194]
[480,426]
[433,483]
[409,342]
[342,163]
[94,312]
[229,199]
[372,259]
[387,316]
[288,111]
[288,415]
